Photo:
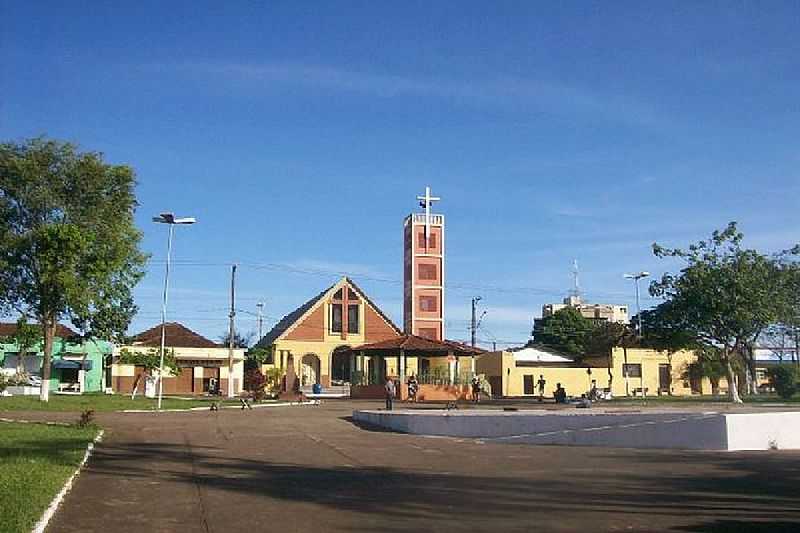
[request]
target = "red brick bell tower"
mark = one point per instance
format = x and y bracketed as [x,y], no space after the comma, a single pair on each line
[423,278]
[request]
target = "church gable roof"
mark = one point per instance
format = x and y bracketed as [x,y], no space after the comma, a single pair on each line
[296,317]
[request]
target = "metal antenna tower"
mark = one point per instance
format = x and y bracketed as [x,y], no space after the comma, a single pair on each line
[576,285]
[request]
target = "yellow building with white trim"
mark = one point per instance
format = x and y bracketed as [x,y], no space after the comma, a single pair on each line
[623,372]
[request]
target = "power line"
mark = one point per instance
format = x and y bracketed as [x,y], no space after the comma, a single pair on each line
[462,286]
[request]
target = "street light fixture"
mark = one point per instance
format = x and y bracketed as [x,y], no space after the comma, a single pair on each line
[636,278]
[167,218]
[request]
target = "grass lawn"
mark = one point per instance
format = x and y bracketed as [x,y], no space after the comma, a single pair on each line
[35,461]
[98,402]
[761,398]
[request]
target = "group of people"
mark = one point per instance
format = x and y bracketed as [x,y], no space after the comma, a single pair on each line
[390,390]
[559,394]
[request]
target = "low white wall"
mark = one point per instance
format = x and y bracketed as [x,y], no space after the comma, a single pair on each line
[16,390]
[700,431]
[763,431]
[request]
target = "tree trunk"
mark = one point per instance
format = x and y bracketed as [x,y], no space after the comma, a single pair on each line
[751,371]
[714,386]
[49,328]
[21,362]
[748,378]
[733,392]
[796,354]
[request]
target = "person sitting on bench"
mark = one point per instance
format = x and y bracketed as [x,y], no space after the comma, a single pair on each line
[560,395]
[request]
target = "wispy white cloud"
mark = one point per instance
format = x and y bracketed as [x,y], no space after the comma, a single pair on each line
[541,96]
[337,268]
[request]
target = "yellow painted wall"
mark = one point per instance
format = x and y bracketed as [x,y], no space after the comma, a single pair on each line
[577,381]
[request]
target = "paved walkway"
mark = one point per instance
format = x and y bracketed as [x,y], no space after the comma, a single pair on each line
[310,469]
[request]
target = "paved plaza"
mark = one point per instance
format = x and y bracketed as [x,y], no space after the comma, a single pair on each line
[311,469]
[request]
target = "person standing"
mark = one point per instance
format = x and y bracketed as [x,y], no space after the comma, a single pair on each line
[541,384]
[476,389]
[390,392]
[413,386]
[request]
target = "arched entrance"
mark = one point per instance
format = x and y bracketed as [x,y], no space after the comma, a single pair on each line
[341,365]
[309,369]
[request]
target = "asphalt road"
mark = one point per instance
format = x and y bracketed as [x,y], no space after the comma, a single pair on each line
[310,469]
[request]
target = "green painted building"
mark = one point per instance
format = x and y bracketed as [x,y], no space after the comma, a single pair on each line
[77,366]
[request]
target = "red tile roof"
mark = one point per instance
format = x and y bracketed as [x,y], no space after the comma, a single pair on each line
[177,336]
[415,343]
[9,328]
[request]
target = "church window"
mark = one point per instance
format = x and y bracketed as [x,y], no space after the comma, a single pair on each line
[336,318]
[428,304]
[338,295]
[429,333]
[352,318]
[428,272]
[421,240]
[351,295]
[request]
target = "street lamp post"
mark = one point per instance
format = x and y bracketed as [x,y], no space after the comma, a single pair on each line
[636,278]
[169,219]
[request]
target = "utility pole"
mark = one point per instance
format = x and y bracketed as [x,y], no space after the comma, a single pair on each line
[474,322]
[231,332]
[260,306]
[474,331]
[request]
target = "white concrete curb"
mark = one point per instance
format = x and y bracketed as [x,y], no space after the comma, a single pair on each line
[51,510]
[189,409]
[43,422]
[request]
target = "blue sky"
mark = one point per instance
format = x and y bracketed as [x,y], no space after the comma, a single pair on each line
[299,134]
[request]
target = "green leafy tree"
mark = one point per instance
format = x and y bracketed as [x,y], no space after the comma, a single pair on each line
[26,337]
[787,330]
[660,331]
[240,340]
[273,378]
[566,330]
[255,357]
[606,336]
[68,247]
[151,360]
[725,295]
[707,365]
[783,379]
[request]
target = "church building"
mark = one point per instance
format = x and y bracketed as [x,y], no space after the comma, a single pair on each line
[314,341]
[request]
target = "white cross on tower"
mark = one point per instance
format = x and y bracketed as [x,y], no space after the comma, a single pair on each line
[426,202]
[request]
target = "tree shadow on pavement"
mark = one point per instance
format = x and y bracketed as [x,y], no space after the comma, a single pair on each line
[733,491]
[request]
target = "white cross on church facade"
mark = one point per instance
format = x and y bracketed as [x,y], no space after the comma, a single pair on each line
[426,202]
